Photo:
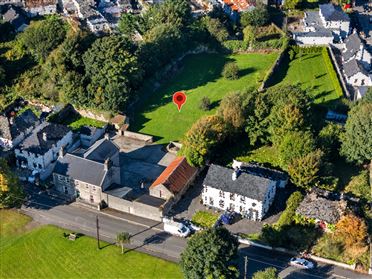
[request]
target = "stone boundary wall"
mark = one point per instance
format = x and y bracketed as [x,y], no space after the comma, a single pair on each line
[101,116]
[138,136]
[338,71]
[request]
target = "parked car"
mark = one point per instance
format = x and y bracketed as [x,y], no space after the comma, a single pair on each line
[302,263]
[229,218]
[176,228]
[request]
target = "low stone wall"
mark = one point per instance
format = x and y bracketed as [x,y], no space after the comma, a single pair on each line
[138,136]
[118,203]
[101,116]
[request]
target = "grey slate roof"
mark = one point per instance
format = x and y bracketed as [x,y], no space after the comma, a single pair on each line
[271,174]
[36,143]
[333,13]
[317,207]
[20,124]
[248,185]
[353,67]
[352,44]
[322,33]
[81,169]
[15,18]
[101,150]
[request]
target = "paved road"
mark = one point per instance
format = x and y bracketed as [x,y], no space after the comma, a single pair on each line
[151,239]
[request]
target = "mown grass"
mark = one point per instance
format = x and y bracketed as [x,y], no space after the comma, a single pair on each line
[45,253]
[85,121]
[313,74]
[199,77]
[204,219]
[264,155]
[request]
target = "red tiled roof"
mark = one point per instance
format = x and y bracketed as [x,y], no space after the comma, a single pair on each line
[176,175]
[238,5]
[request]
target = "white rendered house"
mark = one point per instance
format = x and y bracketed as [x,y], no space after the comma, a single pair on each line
[237,190]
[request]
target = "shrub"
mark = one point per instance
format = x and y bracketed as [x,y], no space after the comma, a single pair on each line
[231,71]
[289,213]
[205,104]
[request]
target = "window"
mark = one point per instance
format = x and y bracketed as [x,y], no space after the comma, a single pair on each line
[34,164]
[61,178]
[222,203]
[206,199]
[232,207]
[254,204]
[232,196]
[66,190]
[94,188]
[211,201]
[91,198]
[159,193]
[242,200]
[241,209]
[205,189]
[86,185]
[222,194]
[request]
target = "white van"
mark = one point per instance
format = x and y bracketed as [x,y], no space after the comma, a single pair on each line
[176,228]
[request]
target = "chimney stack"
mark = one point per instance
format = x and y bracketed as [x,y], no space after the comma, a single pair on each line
[61,152]
[107,164]
[45,138]
[107,136]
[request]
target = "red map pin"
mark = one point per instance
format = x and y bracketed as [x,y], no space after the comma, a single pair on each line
[179,98]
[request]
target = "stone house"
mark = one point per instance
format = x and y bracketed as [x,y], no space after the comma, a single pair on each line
[174,181]
[356,74]
[87,176]
[14,129]
[335,19]
[39,151]
[237,190]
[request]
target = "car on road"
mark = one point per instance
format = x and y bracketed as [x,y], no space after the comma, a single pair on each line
[176,228]
[302,263]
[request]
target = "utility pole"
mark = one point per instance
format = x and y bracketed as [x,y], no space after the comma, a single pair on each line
[97,225]
[245,266]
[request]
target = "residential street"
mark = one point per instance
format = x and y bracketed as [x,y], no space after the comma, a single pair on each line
[149,237]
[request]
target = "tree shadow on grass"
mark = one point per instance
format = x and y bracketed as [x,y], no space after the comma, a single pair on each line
[280,73]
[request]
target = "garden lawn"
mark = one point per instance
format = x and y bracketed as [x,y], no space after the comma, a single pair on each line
[45,253]
[204,219]
[311,73]
[264,155]
[199,77]
[85,121]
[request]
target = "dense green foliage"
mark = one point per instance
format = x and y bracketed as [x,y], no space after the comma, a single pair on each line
[357,139]
[268,273]
[256,17]
[210,254]
[231,71]
[11,192]
[216,28]
[359,186]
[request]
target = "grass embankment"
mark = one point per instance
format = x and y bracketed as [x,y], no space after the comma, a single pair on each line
[45,253]
[199,77]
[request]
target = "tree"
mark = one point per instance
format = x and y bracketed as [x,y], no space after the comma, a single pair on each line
[231,71]
[128,24]
[122,239]
[232,111]
[304,170]
[205,103]
[41,37]
[286,218]
[216,28]
[359,186]
[295,145]
[249,33]
[268,273]
[171,12]
[357,139]
[11,192]
[210,254]
[2,76]
[113,72]
[202,138]
[259,16]
[329,139]
[352,229]
[292,4]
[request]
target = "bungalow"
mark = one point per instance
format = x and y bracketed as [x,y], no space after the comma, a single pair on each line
[324,210]
[39,151]
[238,190]
[14,129]
[174,180]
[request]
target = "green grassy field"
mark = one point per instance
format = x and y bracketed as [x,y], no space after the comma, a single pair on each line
[200,76]
[311,73]
[45,253]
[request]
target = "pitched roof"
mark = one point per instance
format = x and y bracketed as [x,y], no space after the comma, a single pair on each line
[20,124]
[248,185]
[81,169]
[176,175]
[352,45]
[318,207]
[101,150]
[353,67]
[333,13]
[44,137]
[256,169]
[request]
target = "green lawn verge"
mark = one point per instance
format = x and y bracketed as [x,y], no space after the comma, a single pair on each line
[12,223]
[199,77]
[313,72]
[45,253]
[264,155]
[204,219]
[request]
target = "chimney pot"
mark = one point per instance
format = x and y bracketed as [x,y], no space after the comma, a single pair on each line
[62,152]
[107,136]
[45,138]
[107,164]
